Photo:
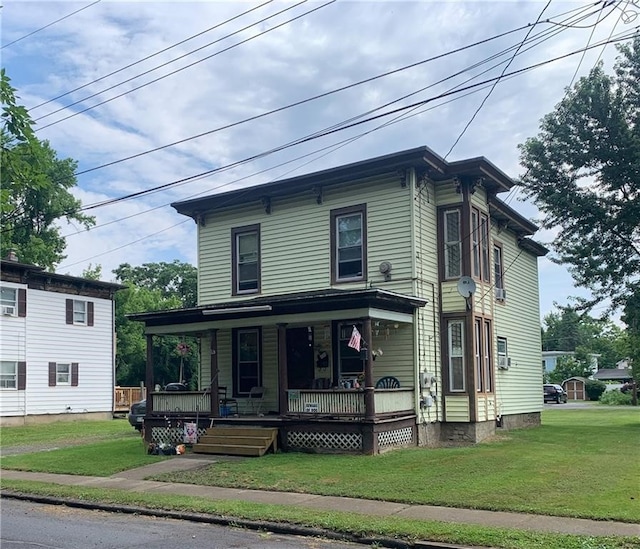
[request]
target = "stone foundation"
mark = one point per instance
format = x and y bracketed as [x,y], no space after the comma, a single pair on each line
[519,421]
[10,421]
[466,432]
[429,435]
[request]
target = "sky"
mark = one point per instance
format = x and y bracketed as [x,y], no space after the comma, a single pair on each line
[96,79]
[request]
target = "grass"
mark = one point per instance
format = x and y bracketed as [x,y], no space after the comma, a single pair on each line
[580,463]
[347,523]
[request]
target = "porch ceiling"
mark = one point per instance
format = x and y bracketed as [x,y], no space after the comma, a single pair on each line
[303,307]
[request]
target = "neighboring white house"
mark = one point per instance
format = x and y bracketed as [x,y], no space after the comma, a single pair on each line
[57,345]
[550,360]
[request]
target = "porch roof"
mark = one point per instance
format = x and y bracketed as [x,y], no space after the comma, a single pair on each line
[306,303]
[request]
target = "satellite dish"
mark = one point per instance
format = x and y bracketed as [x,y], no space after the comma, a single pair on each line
[466,286]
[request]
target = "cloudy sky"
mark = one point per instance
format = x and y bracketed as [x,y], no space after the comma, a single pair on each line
[118,79]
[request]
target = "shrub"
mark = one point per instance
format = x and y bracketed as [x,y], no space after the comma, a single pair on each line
[595,388]
[615,398]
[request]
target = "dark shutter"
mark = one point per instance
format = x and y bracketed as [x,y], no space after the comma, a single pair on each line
[74,374]
[22,302]
[89,313]
[69,311]
[52,374]
[22,376]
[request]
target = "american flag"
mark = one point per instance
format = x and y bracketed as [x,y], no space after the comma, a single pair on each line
[354,342]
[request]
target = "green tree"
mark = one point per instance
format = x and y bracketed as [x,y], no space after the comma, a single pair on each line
[566,367]
[34,187]
[583,172]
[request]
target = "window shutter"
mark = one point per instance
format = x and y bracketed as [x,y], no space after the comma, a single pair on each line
[89,313]
[22,302]
[22,376]
[69,311]
[52,374]
[74,374]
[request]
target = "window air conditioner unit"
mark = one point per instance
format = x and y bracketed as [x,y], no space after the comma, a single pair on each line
[503,363]
[501,294]
[8,310]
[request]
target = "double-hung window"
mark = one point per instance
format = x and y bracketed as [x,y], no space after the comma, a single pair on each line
[8,374]
[247,360]
[452,244]
[9,301]
[79,312]
[498,269]
[351,362]
[455,337]
[475,242]
[480,245]
[484,247]
[482,343]
[503,360]
[349,244]
[63,374]
[246,259]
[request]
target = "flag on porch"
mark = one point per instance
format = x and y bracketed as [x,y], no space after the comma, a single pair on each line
[354,342]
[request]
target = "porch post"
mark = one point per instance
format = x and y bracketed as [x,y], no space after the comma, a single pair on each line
[149,373]
[369,402]
[214,373]
[283,402]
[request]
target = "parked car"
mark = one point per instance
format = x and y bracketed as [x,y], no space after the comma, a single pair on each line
[554,393]
[136,414]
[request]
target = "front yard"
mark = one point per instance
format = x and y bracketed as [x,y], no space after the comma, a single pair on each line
[580,463]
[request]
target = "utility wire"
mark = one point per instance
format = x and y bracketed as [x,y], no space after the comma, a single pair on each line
[486,97]
[50,24]
[159,52]
[194,63]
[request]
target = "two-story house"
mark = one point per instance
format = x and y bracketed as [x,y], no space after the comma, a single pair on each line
[57,345]
[404,267]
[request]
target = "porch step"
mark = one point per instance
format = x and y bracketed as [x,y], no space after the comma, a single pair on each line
[237,441]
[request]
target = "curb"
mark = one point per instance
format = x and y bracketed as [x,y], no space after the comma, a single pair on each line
[274,527]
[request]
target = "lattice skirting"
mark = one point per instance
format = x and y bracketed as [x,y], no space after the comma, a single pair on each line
[395,438]
[328,441]
[171,435]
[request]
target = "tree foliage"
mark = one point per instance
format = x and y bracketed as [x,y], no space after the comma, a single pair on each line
[34,188]
[583,172]
[566,367]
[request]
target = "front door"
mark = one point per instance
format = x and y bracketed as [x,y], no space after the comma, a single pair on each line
[300,368]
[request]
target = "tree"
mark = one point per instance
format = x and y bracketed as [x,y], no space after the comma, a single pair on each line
[583,172]
[566,367]
[34,187]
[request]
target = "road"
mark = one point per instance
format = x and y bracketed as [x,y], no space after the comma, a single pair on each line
[27,525]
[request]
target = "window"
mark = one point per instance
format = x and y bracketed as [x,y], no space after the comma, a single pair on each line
[247,360]
[475,238]
[9,301]
[79,312]
[482,343]
[348,244]
[497,268]
[246,259]
[480,245]
[455,336]
[486,343]
[63,373]
[350,361]
[452,244]
[484,247]
[503,361]
[8,374]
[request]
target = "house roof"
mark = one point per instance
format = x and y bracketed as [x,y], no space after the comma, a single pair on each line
[613,374]
[294,303]
[36,277]
[435,167]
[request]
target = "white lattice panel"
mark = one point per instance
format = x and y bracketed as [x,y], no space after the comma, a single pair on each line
[397,437]
[330,441]
[171,435]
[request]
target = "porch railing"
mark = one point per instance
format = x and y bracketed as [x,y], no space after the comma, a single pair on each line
[393,400]
[181,402]
[348,402]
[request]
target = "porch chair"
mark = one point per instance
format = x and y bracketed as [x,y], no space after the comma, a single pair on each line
[230,404]
[256,396]
[388,382]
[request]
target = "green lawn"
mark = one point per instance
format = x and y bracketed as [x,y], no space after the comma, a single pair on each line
[581,463]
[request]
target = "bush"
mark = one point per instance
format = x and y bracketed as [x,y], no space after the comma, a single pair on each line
[616,398]
[595,388]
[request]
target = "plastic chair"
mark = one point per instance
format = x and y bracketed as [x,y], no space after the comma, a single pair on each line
[388,382]
[228,406]
[256,396]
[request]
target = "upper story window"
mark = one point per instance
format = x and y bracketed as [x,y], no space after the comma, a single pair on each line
[503,360]
[498,273]
[349,244]
[245,247]
[452,244]
[8,374]
[480,245]
[79,312]
[9,301]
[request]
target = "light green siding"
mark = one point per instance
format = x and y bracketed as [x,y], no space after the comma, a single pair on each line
[456,408]
[446,194]
[519,389]
[295,241]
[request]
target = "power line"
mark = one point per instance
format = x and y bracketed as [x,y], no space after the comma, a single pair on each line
[50,24]
[164,50]
[194,63]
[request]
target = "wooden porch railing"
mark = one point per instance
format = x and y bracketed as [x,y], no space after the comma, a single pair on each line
[348,403]
[176,402]
[393,400]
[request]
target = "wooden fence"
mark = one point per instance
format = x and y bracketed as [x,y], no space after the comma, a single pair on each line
[124,397]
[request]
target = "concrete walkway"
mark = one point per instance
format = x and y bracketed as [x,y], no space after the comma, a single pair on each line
[133,480]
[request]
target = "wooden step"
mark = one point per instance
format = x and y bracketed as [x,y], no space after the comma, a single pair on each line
[237,441]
